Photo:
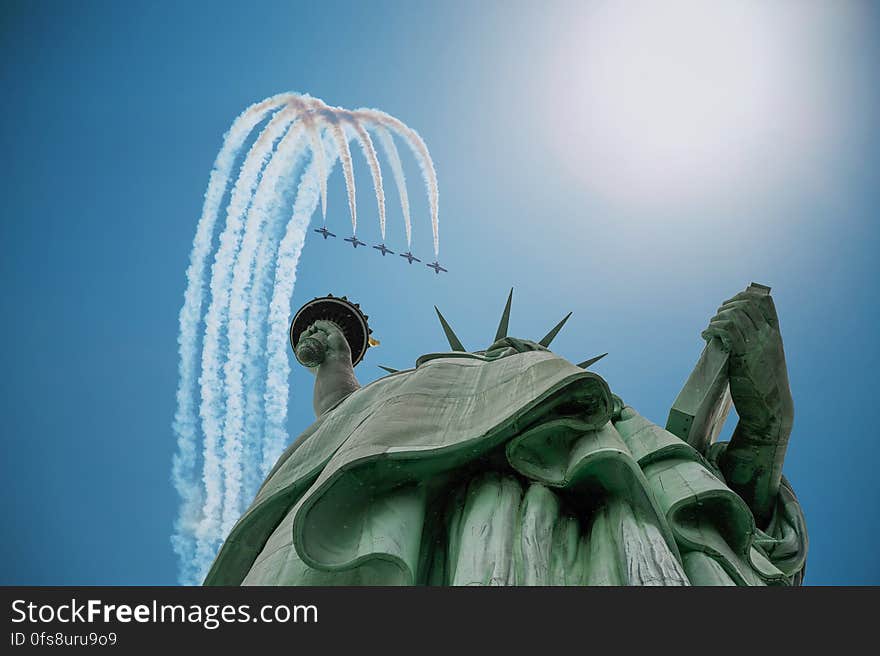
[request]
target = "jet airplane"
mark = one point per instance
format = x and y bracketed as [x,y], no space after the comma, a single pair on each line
[410,257]
[381,248]
[324,232]
[437,268]
[355,242]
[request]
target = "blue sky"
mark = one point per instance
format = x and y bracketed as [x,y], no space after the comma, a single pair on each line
[634,168]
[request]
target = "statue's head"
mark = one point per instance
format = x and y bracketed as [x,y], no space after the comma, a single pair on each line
[503,345]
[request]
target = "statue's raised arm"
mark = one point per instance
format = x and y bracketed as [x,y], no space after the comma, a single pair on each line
[323,349]
[329,336]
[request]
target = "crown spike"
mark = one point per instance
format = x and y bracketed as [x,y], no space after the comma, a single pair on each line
[388,369]
[501,333]
[451,337]
[588,363]
[545,342]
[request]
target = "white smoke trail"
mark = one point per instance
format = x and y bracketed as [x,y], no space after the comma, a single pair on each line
[369,151]
[244,399]
[396,165]
[265,207]
[255,362]
[277,345]
[243,434]
[420,150]
[318,150]
[309,107]
[211,409]
[345,156]
[186,420]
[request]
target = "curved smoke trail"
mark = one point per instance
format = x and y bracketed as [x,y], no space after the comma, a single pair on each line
[308,107]
[244,351]
[345,157]
[265,203]
[211,408]
[333,116]
[278,365]
[420,150]
[372,158]
[393,157]
[185,420]
[270,255]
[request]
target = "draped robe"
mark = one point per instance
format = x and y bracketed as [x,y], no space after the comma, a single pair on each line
[511,467]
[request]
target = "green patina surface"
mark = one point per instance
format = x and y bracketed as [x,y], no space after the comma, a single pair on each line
[509,466]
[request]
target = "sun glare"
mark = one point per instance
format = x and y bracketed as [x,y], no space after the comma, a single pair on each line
[671,102]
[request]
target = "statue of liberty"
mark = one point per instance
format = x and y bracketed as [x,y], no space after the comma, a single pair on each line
[513,466]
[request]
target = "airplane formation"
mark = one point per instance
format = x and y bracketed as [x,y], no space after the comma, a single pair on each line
[408,256]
